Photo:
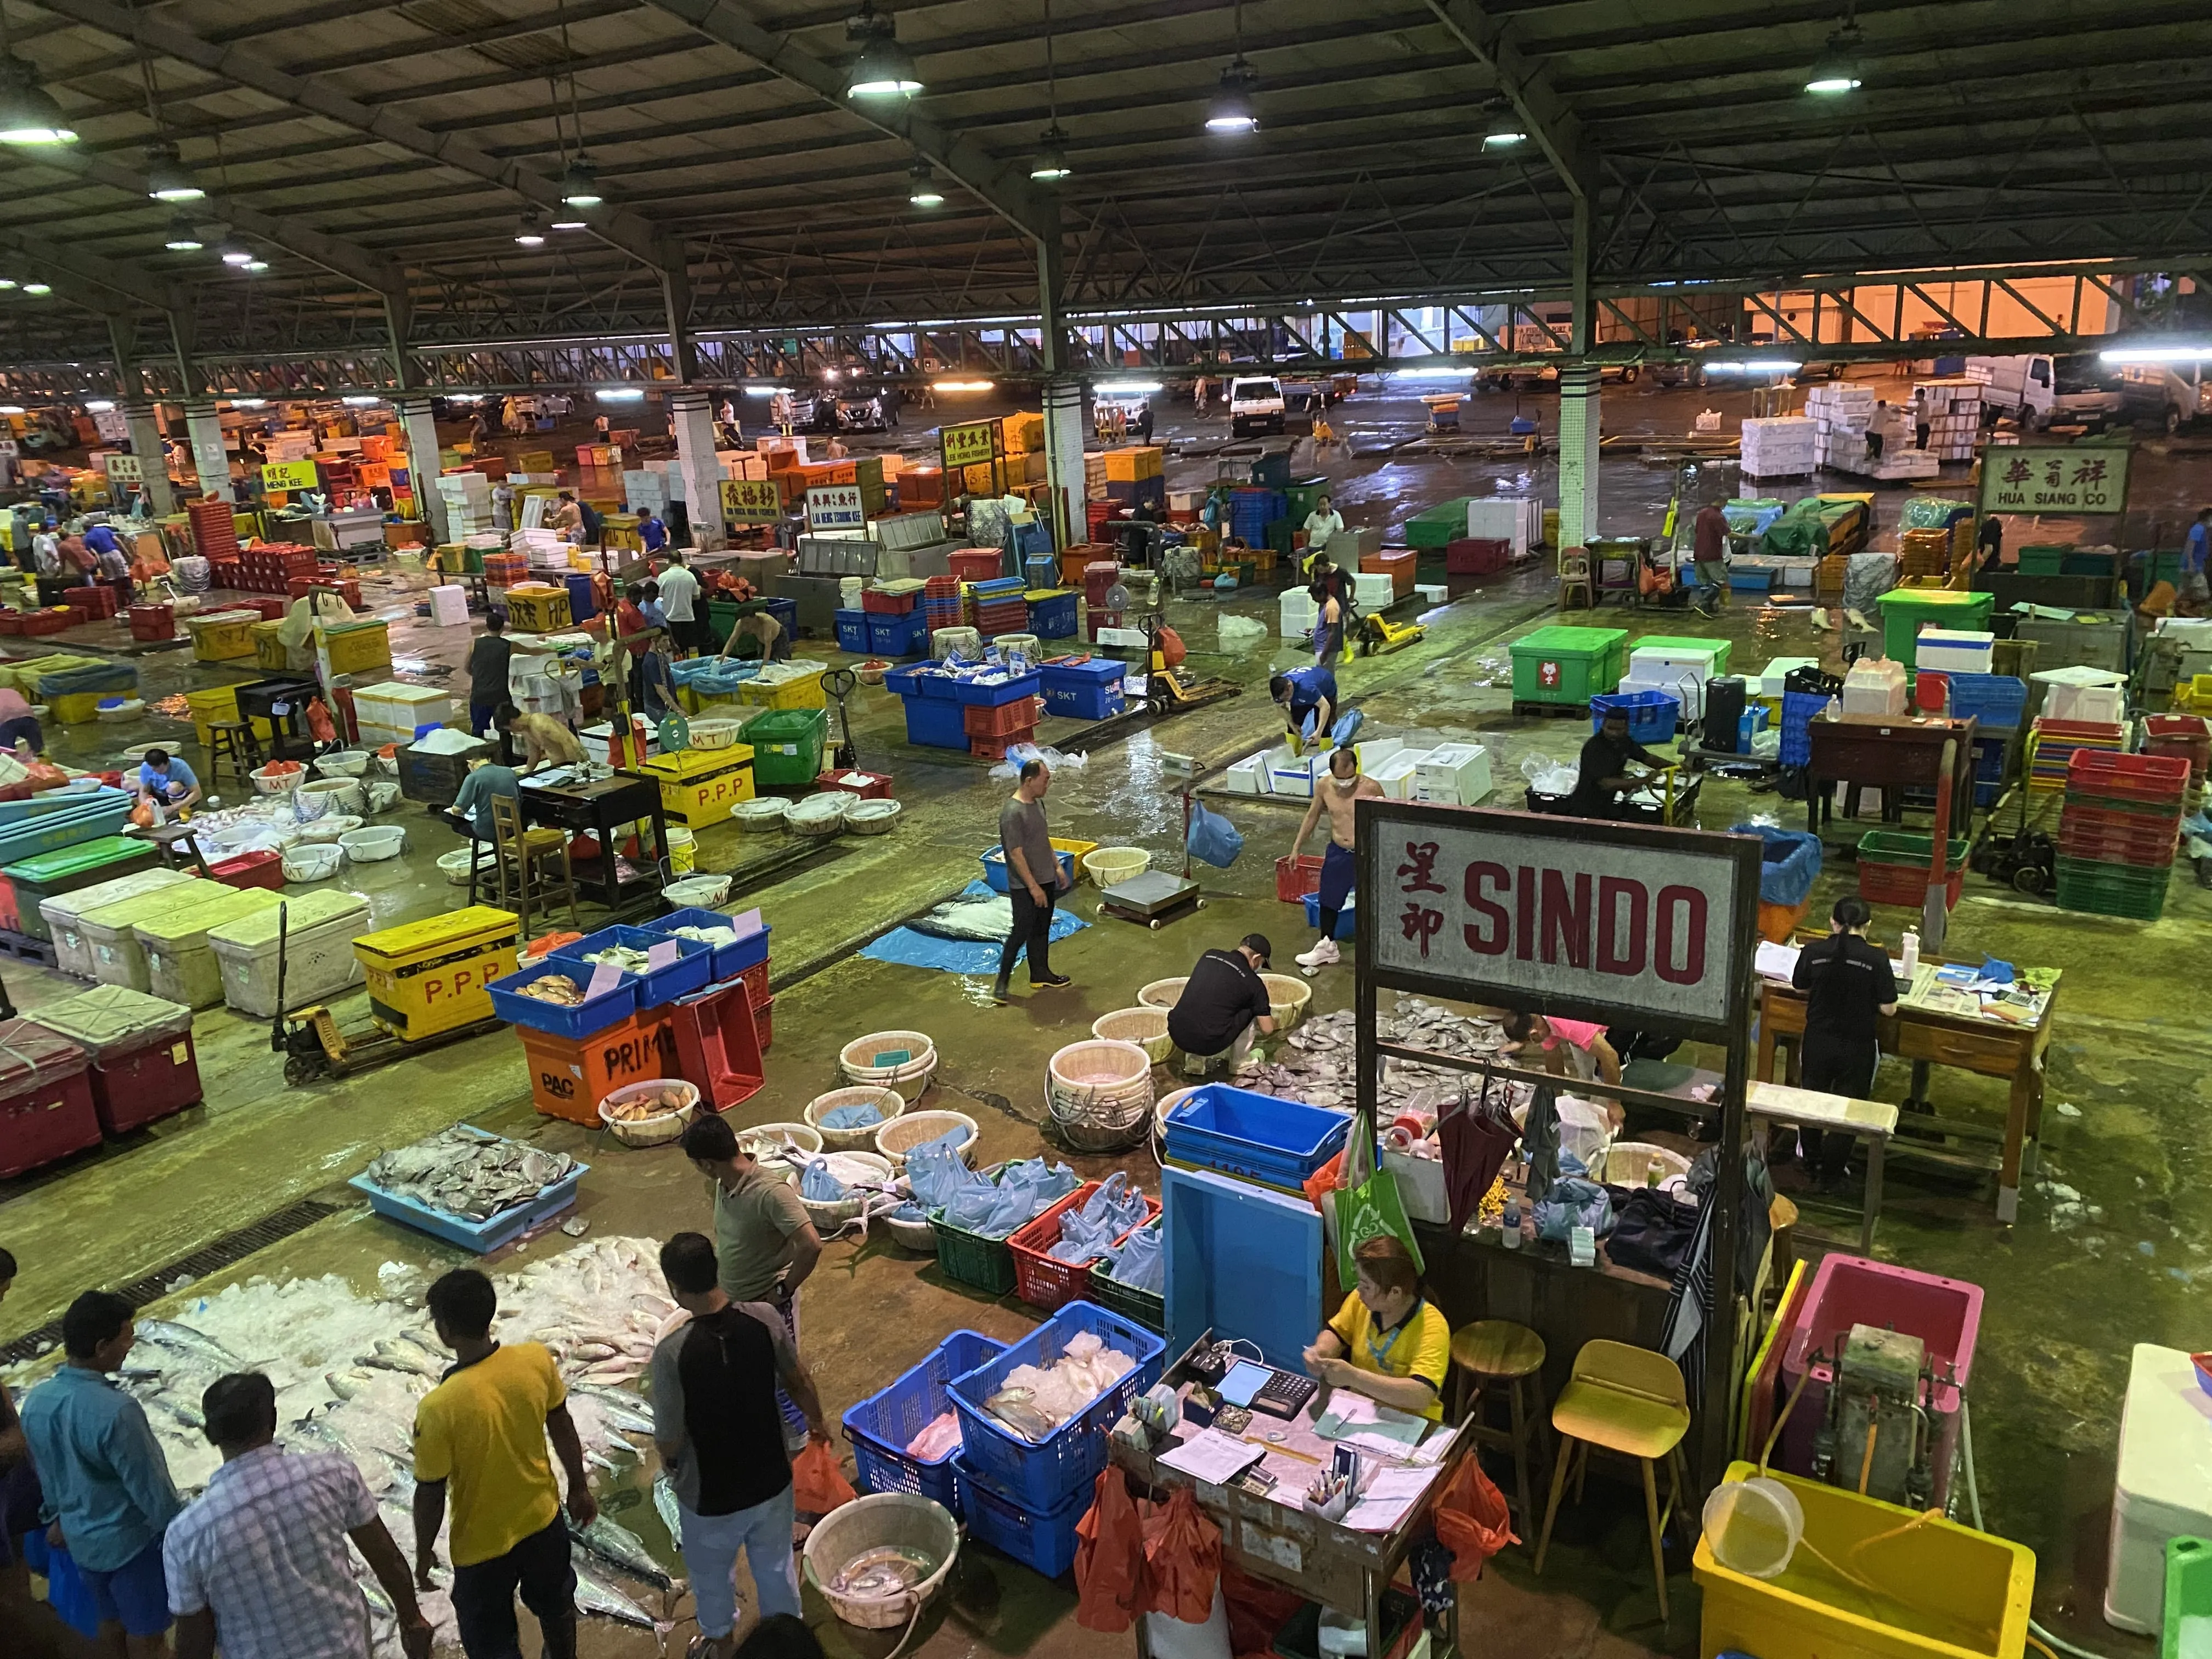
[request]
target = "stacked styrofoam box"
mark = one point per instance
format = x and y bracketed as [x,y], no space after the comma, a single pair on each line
[1249,776]
[467,497]
[1839,412]
[1396,773]
[1953,651]
[1453,774]
[1780,447]
[1952,410]
[1875,686]
[644,489]
[449,606]
[1506,519]
[394,712]
[543,549]
[1373,590]
[1298,613]
[1289,774]
[2077,693]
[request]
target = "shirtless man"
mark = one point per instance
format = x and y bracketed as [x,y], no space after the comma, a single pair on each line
[1344,784]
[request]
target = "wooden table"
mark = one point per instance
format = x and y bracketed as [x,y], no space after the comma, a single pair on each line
[602,809]
[1891,752]
[1986,1047]
[1321,1560]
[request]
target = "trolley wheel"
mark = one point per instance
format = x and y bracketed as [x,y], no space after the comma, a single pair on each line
[300,1069]
[1154,923]
[1199,905]
[2031,878]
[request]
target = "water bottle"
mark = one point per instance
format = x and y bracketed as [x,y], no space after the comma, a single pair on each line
[1910,954]
[1509,1226]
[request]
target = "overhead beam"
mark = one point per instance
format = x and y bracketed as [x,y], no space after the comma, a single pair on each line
[1528,87]
[116,277]
[619,227]
[1003,187]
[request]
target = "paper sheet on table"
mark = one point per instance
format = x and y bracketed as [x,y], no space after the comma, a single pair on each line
[1390,1433]
[1389,1486]
[1377,1514]
[1213,1457]
[1776,961]
[1433,1448]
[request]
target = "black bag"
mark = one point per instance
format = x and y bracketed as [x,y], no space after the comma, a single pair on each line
[592,522]
[1651,1232]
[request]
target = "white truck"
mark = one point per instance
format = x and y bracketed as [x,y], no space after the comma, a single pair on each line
[2176,394]
[1255,404]
[2039,390]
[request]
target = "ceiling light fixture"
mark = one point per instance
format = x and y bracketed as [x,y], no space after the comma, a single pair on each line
[579,185]
[236,256]
[1753,366]
[883,68]
[361,403]
[761,390]
[530,232]
[8,282]
[29,113]
[38,288]
[620,394]
[921,187]
[2172,354]
[13,409]
[1051,164]
[961,385]
[1836,70]
[255,264]
[99,406]
[569,223]
[184,238]
[166,178]
[249,403]
[1127,388]
[1232,112]
[1505,131]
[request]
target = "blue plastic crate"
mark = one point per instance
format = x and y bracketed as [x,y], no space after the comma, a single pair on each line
[1054,618]
[693,967]
[935,724]
[882,1425]
[1041,1540]
[994,871]
[853,630]
[592,1015]
[1347,919]
[1086,691]
[1996,700]
[905,635]
[903,682]
[1652,715]
[785,612]
[481,1236]
[1239,1132]
[728,959]
[1044,1475]
[1750,579]
[1799,710]
[971,693]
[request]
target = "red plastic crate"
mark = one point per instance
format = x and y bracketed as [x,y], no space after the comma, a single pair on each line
[153,621]
[1296,875]
[1476,555]
[137,1086]
[718,1044]
[995,748]
[11,621]
[755,979]
[938,587]
[97,600]
[43,1121]
[975,564]
[764,1023]
[1039,1280]
[50,622]
[877,786]
[2100,772]
[261,868]
[1014,719]
[1904,884]
[889,604]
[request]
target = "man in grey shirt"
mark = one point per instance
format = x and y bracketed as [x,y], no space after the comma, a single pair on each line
[1033,880]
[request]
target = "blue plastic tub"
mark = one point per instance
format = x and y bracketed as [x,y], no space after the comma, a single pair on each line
[903,682]
[882,1425]
[592,1015]
[484,1236]
[1054,618]
[1086,690]
[934,724]
[728,959]
[1239,1132]
[693,967]
[906,635]
[1652,715]
[1347,919]
[994,871]
[853,630]
[1995,700]
[1012,689]
[1044,1476]
[1041,1540]
[1750,580]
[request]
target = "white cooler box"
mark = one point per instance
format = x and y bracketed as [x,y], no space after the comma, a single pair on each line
[1299,610]
[318,955]
[402,707]
[72,945]
[1667,662]
[1453,774]
[118,956]
[1953,651]
[1290,775]
[2096,694]
[180,965]
[1395,773]
[2163,1488]
[1247,776]
[1373,590]
[1688,690]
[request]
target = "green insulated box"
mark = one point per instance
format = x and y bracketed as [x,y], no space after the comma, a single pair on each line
[88,863]
[1906,611]
[1445,522]
[1566,665]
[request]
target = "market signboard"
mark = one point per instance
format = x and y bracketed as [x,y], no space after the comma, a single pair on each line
[124,469]
[975,444]
[835,506]
[751,500]
[289,474]
[1618,922]
[2054,478]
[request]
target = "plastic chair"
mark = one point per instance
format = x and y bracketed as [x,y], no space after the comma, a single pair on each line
[1493,1355]
[1632,1402]
[1575,578]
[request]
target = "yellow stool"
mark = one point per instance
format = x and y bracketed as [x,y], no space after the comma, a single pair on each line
[1487,1354]
[1632,1401]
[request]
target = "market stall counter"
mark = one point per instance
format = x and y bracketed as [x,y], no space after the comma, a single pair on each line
[605,809]
[1891,753]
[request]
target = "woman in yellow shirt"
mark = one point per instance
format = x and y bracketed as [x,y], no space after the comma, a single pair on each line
[1386,1341]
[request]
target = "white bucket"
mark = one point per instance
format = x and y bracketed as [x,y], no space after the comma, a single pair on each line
[682,850]
[310,861]
[343,794]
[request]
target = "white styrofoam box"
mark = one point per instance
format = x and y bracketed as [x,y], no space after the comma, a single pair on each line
[1289,776]
[1771,676]
[1396,773]
[1874,687]
[1780,447]
[1688,690]
[397,704]
[374,736]
[1373,590]
[1673,660]
[2163,1486]
[1373,752]
[2083,694]
[1432,593]
[1953,651]
[1131,639]
[1793,573]
[2196,630]
[1247,776]
[319,955]
[449,606]
[1511,519]
[1454,774]
[1298,612]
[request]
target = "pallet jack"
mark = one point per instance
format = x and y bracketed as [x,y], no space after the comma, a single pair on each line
[1168,690]
[315,1045]
[1378,636]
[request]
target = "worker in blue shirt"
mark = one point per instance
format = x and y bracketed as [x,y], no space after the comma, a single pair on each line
[102,539]
[1306,693]
[471,813]
[166,779]
[2195,590]
[651,534]
[105,1481]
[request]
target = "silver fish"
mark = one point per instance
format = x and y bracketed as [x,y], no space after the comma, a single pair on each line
[622,1411]
[594,1594]
[169,1406]
[184,1340]
[316,1432]
[404,1357]
[664,1506]
[614,1543]
[346,1384]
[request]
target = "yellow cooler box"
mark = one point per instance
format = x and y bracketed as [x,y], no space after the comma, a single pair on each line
[538,608]
[180,965]
[221,635]
[359,647]
[698,786]
[429,976]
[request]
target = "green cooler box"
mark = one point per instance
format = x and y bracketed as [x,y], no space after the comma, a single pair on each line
[85,865]
[1564,665]
[1906,611]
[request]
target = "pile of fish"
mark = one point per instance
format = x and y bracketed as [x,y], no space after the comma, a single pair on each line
[457,1171]
[1316,1063]
[348,1370]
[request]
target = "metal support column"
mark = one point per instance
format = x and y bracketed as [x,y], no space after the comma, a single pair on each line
[1578,456]
[691,422]
[212,462]
[1063,390]
[153,460]
[421,430]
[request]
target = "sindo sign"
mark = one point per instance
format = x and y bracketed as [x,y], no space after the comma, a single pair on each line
[1607,918]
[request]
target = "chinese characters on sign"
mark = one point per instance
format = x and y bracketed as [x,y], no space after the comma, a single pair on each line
[751,500]
[970,446]
[2083,478]
[289,474]
[125,468]
[835,506]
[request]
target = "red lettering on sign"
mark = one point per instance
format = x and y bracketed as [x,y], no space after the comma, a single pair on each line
[1620,951]
[1524,914]
[1566,923]
[1496,931]
[1692,969]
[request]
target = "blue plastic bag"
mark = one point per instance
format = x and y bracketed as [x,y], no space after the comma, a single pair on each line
[858,1116]
[1791,865]
[1141,1261]
[1213,840]
[1573,1202]
[937,1173]
[819,1185]
[1346,727]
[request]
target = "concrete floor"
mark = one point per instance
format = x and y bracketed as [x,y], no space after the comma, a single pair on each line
[2065,1299]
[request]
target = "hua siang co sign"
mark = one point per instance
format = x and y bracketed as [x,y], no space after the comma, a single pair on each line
[1609,921]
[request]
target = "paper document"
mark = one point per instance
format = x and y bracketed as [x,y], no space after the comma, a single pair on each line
[1391,1484]
[1390,1432]
[1377,1514]
[1213,1457]
[1776,961]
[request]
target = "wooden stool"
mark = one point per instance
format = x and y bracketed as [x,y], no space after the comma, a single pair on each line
[533,868]
[232,744]
[1493,1352]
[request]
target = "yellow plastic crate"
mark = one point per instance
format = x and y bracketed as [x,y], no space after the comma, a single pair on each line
[429,976]
[806,693]
[698,786]
[536,608]
[358,647]
[268,650]
[224,637]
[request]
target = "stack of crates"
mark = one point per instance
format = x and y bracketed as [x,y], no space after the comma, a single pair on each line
[2118,832]
[2056,742]
[215,530]
[1051,613]
[506,569]
[269,568]
[1251,510]
[1135,476]
[998,606]
[941,603]
[2189,736]
[1997,703]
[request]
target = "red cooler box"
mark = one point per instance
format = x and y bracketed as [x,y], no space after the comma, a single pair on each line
[143,1066]
[46,1098]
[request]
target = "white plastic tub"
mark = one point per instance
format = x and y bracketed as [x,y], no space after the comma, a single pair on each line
[335,794]
[318,957]
[377,842]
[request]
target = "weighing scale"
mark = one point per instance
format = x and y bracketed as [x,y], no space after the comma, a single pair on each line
[1152,898]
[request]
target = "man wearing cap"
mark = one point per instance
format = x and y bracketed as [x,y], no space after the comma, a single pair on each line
[1222,1006]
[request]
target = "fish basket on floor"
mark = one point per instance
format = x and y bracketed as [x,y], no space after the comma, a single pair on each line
[714,734]
[306,861]
[888,1102]
[872,818]
[1163,992]
[886,1530]
[850,1168]
[781,1147]
[1100,1095]
[651,1113]
[373,844]
[342,763]
[696,892]
[125,709]
[912,1129]
[1111,865]
[897,1060]
[454,865]
[1145,1027]
[330,827]
[916,1236]
[820,815]
[278,778]
[762,812]
[1288,998]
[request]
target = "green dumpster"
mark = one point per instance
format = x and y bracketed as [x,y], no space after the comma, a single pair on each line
[1564,665]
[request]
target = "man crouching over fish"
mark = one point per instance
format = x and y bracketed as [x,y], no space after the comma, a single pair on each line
[482,1432]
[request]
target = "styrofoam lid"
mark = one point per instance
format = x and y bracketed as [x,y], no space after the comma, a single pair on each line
[1957,637]
[2080,675]
[110,1017]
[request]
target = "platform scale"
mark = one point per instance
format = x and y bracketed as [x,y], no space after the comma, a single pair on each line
[1156,898]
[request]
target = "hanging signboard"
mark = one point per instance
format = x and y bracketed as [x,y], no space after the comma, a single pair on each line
[125,468]
[2055,478]
[1623,923]
[751,500]
[975,444]
[835,506]
[289,474]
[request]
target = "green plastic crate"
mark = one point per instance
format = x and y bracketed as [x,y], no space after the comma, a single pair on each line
[1906,611]
[786,744]
[1303,493]
[2188,1589]
[986,1263]
[1148,1308]
[2047,559]
[1908,846]
[1435,527]
[1563,664]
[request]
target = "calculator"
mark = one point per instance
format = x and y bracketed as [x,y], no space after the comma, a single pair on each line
[1284,1394]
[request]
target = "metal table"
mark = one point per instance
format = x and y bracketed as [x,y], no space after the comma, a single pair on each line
[602,809]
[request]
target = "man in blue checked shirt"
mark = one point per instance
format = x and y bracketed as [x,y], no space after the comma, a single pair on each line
[107,1486]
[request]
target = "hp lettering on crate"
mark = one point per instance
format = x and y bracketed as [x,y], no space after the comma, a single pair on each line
[1579,918]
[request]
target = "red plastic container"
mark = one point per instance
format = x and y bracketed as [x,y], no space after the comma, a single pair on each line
[131,1087]
[50,622]
[757,991]
[2127,777]
[764,1023]
[1295,876]
[1012,720]
[717,1044]
[153,621]
[97,600]
[889,604]
[1905,883]
[1040,1279]
[262,868]
[994,749]
[1476,555]
[46,1110]
[975,564]
[877,786]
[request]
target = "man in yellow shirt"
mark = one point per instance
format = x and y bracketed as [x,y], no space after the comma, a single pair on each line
[480,1437]
[1386,1341]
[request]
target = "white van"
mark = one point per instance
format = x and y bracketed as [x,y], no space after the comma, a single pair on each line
[1255,404]
[2024,387]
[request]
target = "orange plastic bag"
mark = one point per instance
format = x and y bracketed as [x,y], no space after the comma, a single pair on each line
[142,814]
[1323,1182]
[1182,1549]
[1472,1520]
[1112,1583]
[320,727]
[817,1485]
